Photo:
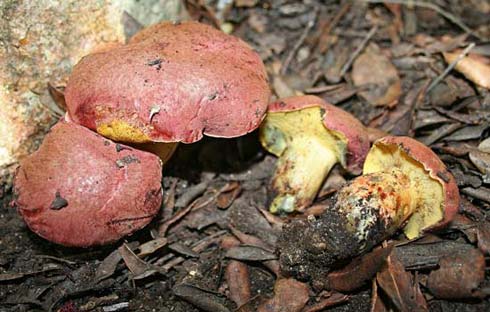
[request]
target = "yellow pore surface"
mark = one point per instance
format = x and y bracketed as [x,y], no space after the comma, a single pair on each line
[121,131]
[297,129]
[430,202]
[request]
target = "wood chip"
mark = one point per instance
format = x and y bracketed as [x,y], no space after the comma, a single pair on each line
[200,298]
[458,275]
[250,253]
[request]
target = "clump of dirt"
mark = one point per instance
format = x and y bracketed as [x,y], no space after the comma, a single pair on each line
[309,248]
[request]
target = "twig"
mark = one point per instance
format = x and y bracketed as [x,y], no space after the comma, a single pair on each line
[433,7]
[190,194]
[198,247]
[358,51]
[322,42]
[443,75]
[298,44]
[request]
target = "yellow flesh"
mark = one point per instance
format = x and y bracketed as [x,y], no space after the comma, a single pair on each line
[306,150]
[429,209]
[373,197]
[121,131]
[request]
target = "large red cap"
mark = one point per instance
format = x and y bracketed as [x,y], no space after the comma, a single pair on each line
[173,83]
[336,119]
[80,189]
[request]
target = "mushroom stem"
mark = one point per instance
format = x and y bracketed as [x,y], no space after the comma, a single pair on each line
[300,172]
[374,206]
[366,211]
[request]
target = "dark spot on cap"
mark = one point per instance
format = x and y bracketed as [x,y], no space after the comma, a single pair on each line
[107,143]
[126,160]
[213,96]
[120,147]
[58,202]
[151,195]
[157,63]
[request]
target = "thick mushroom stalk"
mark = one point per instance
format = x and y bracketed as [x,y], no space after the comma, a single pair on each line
[366,211]
[309,136]
[305,158]
[375,206]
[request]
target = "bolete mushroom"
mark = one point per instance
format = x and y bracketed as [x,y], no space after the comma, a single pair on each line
[435,192]
[309,136]
[404,185]
[80,189]
[173,82]
[365,212]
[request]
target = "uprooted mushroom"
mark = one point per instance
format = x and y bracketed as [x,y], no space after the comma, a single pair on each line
[173,82]
[309,136]
[80,189]
[404,186]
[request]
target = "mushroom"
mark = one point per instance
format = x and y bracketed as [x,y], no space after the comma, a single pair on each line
[309,136]
[434,189]
[80,189]
[404,185]
[173,82]
[365,212]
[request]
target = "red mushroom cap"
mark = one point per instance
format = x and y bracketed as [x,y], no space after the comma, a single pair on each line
[80,189]
[335,119]
[173,83]
[435,167]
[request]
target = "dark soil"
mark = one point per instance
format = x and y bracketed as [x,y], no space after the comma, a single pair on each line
[309,47]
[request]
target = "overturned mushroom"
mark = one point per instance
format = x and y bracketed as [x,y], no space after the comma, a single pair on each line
[434,189]
[365,212]
[405,185]
[80,189]
[173,82]
[309,136]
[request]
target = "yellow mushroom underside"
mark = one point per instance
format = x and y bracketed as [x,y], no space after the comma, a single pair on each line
[306,150]
[430,202]
[122,131]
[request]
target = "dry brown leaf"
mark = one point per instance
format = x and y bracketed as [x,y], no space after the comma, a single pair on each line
[238,279]
[359,271]
[476,69]
[377,304]
[289,296]
[400,287]
[483,237]
[139,268]
[327,300]
[373,71]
